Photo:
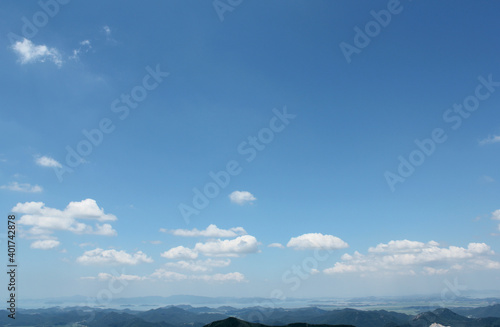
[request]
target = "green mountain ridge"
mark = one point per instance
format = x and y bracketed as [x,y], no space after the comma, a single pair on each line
[188,316]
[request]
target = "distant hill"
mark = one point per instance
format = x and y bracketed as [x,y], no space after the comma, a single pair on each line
[234,322]
[188,316]
[179,317]
[482,312]
[359,318]
[447,317]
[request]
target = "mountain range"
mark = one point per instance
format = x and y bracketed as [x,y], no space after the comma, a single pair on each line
[227,316]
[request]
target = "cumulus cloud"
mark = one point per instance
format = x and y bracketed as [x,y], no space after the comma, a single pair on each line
[276,245]
[100,256]
[313,241]
[180,252]
[495,215]
[45,220]
[22,187]
[28,52]
[411,257]
[199,265]
[46,161]
[241,197]
[228,248]
[490,140]
[45,244]
[88,209]
[211,231]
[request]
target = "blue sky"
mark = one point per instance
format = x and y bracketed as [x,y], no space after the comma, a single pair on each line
[316,146]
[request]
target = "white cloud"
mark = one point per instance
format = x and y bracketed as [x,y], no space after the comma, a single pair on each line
[276,245]
[229,277]
[106,276]
[313,241]
[82,245]
[88,209]
[433,271]
[199,265]
[44,220]
[168,275]
[44,244]
[241,197]
[104,230]
[107,30]
[490,140]
[411,257]
[46,161]
[211,231]
[100,256]
[22,187]
[495,215]
[171,276]
[28,52]
[83,48]
[180,252]
[403,246]
[228,248]
[487,179]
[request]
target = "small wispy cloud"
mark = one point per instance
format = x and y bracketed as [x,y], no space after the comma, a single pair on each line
[109,38]
[242,197]
[171,276]
[29,53]
[83,48]
[45,244]
[22,187]
[486,179]
[46,161]
[107,277]
[276,245]
[490,140]
[107,30]
[199,265]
